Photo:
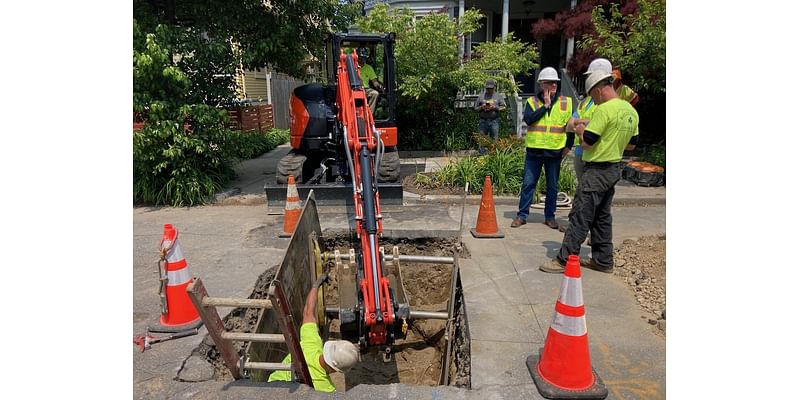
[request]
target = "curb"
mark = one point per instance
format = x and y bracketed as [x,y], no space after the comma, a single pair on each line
[414,198]
[225,199]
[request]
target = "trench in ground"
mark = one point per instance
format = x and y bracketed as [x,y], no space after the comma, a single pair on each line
[416,360]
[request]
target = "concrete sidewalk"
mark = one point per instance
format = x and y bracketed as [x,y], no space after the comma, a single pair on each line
[510,305]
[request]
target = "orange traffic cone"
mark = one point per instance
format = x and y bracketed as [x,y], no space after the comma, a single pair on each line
[564,370]
[486,227]
[292,210]
[177,311]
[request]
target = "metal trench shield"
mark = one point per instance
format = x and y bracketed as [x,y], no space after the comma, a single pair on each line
[287,292]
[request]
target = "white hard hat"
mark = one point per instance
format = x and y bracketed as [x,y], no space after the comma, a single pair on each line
[341,355]
[599,64]
[595,77]
[548,74]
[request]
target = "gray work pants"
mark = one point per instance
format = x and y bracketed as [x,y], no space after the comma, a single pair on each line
[577,166]
[591,211]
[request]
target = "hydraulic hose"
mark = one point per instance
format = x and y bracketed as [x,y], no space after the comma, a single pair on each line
[350,160]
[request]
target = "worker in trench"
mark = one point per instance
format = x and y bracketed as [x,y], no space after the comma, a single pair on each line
[334,355]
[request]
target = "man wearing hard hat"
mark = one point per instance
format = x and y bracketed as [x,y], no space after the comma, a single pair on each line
[584,113]
[614,128]
[546,142]
[322,360]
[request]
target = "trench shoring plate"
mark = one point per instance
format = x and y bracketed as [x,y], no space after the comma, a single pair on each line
[295,277]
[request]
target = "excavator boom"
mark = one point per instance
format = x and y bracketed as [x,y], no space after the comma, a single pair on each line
[361,142]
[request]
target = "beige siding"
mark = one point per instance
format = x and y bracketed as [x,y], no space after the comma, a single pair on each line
[252,85]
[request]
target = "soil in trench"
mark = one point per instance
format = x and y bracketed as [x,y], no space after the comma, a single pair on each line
[417,359]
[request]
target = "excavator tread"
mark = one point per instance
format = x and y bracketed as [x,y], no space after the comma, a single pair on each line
[389,170]
[290,164]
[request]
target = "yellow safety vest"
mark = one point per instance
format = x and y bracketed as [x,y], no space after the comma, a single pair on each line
[583,113]
[550,131]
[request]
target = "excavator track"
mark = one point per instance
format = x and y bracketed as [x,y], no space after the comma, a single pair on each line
[290,164]
[389,170]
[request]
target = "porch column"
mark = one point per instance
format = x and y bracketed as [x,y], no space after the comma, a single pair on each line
[489,27]
[571,40]
[505,19]
[463,37]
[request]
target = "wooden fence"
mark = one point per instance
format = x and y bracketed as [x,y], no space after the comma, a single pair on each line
[248,118]
[252,118]
[282,86]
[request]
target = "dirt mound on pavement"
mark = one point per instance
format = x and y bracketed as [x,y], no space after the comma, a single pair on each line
[642,264]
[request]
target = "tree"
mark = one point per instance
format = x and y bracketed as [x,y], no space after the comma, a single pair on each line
[279,33]
[429,72]
[634,42]
[509,55]
[186,54]
[576,23]
[426,52]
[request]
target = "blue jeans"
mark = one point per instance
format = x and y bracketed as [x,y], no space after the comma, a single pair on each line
[533,167]
[490,127]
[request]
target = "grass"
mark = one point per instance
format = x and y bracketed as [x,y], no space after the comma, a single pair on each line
[503,163]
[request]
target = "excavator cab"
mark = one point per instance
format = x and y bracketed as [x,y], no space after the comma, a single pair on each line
[377,51]
[317,156]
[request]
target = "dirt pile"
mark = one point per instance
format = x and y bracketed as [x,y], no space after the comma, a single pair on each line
[642,264]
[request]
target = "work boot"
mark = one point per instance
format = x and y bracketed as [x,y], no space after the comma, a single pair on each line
[589,263]
[551,223]
[553,266]
[517,222]
[563,228]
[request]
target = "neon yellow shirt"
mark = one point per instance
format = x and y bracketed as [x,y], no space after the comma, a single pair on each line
[311,343]
[616,122]
[367,74]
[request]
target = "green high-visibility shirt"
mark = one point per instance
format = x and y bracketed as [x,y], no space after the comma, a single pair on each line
[616,122]
[367,74]
[311,343]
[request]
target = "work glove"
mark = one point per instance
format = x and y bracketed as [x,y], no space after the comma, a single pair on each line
[321,280]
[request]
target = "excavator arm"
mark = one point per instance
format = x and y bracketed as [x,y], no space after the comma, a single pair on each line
[361,141]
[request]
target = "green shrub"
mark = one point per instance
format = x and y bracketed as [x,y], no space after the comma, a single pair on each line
[249,145]
[177,168]
[504,162]
[182,168]
[656,154]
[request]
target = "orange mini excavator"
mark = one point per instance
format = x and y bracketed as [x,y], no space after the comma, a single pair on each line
[345,151]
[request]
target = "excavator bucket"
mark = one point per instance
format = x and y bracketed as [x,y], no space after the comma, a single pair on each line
[347,277]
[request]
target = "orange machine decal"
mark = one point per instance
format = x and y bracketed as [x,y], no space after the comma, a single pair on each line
[298,120]
[389,136]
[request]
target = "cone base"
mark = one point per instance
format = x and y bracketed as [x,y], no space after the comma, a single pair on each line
[160,327]
[479,235]
[285,235]
[550,391]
